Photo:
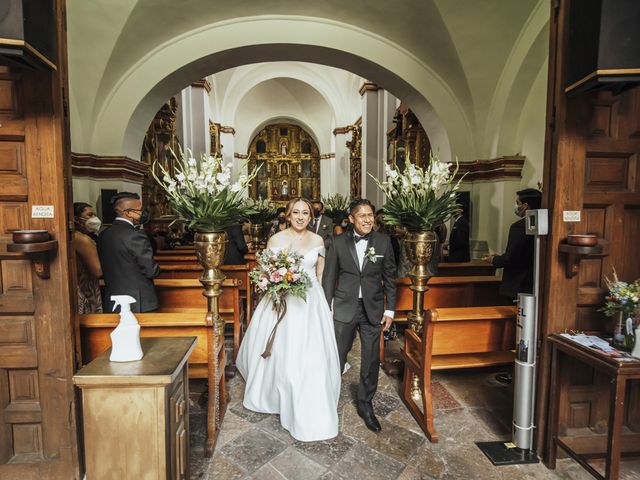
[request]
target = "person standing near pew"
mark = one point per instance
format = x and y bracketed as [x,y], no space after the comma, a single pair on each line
[126,256]
[236,246]
[517,259]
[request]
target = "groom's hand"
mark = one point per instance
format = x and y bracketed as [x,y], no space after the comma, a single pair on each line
[386,322]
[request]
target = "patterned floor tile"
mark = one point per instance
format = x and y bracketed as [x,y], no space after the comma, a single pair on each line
[253,449]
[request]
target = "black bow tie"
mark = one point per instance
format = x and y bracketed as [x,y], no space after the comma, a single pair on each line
[357,237]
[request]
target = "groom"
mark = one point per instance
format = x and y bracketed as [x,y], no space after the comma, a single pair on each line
[359,272]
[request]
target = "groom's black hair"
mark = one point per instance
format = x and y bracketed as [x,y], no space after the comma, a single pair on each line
[358,202]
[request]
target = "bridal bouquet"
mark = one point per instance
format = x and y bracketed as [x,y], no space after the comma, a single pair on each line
[277,275]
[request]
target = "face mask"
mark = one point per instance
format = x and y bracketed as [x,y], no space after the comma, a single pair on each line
[145,217]
[517,211]
[93,224]
[317,212]
[282,220]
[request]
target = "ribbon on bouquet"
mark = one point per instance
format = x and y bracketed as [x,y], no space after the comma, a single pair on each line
[281,310]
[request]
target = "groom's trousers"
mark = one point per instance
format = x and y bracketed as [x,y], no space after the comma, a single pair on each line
[369,350]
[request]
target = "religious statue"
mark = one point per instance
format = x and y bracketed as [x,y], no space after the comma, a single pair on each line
[283,148]
[285,188]
[284,169]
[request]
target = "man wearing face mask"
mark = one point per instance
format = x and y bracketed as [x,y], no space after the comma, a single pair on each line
[321,224]
[126,255]
[517,260]
[88,267]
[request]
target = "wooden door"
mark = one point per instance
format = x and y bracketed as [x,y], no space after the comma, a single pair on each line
[591,165]
[38,437]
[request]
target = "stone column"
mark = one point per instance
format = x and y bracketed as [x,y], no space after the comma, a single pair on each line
[371,158]
[193,127]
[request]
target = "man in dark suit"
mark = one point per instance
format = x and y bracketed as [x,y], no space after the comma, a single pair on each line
[459,239]
[517,260]
[126,256]
[236,246]
[359,272]
[321,224]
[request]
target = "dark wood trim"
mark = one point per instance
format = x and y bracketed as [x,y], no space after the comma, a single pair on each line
[342,130]
[494,169]
[240,156]
[227,129]
[108,167]
[325,156]
[368,87]
[204,83]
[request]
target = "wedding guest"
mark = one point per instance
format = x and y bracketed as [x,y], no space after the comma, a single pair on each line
[88,267]
[127,257]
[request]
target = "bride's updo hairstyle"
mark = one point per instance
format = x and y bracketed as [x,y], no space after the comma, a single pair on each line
[295,200]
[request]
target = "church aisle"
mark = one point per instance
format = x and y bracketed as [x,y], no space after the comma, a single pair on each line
[470,406]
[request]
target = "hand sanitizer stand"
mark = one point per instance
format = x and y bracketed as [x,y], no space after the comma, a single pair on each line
[519,450]
[135,415]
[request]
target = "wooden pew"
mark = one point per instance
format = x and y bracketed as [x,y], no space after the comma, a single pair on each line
[457,269]
[194,270]
[95,329]
[468,337]
[186,295]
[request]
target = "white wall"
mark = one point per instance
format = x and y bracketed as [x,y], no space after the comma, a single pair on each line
[88,190]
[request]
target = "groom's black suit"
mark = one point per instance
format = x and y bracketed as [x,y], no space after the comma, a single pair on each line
[342,280]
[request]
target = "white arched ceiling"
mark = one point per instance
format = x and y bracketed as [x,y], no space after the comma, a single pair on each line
[283,98]
[338,87]
[450,60]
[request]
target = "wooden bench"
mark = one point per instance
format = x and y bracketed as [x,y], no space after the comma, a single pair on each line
[185,295]
[194,270]
[468,337]
[457,269]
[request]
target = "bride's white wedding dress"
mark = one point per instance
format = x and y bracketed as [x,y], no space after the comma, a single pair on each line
[301,379]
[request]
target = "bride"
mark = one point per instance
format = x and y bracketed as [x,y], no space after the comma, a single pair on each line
[301,379]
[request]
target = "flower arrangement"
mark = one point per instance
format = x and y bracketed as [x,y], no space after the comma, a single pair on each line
[264,210]
[280,273]
[336,207]
[371,255]
[277,275]
[420,199]
[201,192]
[623,297]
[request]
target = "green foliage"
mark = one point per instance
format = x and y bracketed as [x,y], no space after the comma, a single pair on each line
[336,207]
[264,210]
[417,199]
[202,194]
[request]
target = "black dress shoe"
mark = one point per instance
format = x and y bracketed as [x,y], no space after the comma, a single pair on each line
[370,419]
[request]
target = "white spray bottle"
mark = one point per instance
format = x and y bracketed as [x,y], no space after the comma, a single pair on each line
[125,339]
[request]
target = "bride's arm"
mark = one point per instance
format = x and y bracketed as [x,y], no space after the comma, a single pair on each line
[320,268]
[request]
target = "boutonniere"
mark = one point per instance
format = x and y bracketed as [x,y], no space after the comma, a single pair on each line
[324,227]
[371,255]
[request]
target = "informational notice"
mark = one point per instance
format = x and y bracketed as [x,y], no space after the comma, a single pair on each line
[42,211]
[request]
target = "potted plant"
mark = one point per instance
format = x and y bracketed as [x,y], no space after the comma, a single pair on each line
[420,200]
[623,304]
[336,208]
[263,210]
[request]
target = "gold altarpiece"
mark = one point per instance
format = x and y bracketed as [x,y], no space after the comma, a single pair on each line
[407,140]
[160,140]
[355,160]
[289,162]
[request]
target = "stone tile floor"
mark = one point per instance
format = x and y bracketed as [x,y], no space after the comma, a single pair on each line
[469,406]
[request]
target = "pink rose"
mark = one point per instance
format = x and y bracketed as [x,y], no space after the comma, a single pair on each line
[276,277]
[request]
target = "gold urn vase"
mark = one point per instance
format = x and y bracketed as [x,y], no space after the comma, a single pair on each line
[419,247]
[256,235]
[210,248]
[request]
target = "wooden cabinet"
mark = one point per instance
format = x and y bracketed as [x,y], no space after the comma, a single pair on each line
[136,414]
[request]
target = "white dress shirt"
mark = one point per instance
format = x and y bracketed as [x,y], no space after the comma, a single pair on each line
[361,250]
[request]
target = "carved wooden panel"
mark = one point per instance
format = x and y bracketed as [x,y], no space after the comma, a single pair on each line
[610,172]
[12,170]
[630,234]
[13,216]
[604,121]
[16,331]
[27,439]
[9,104]
[23,386]
[16,276]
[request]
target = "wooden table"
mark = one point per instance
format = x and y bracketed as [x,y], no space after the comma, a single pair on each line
[135,415]
[620,372]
